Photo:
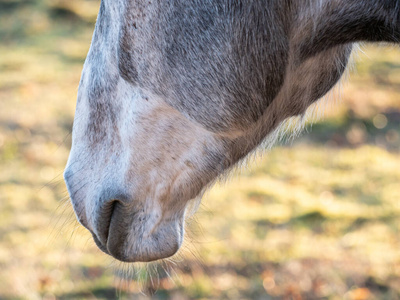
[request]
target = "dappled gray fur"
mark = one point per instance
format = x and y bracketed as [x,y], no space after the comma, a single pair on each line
[222,63]
[175,93]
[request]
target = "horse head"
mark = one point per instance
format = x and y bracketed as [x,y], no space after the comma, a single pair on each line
[174,93]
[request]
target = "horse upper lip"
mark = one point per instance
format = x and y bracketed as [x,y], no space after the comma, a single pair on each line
[100,244]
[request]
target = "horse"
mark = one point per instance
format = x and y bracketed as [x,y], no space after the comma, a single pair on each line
[173,94]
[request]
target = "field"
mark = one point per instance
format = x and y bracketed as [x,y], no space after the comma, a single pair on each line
[316,217]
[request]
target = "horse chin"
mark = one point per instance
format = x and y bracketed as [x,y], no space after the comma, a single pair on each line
[141,237]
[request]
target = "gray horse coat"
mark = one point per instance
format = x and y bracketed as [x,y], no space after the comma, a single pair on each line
[175,93]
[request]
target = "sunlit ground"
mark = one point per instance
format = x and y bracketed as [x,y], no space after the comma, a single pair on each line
[314,218]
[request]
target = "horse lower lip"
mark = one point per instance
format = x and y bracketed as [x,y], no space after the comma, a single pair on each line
[130,243]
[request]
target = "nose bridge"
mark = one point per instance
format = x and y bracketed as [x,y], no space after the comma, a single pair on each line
[98,89]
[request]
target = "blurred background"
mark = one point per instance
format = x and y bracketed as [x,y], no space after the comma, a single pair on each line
[315,218]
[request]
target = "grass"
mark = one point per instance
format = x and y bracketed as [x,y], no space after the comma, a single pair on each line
[315,218]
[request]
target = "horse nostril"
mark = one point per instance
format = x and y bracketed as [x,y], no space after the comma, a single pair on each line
[104,221]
